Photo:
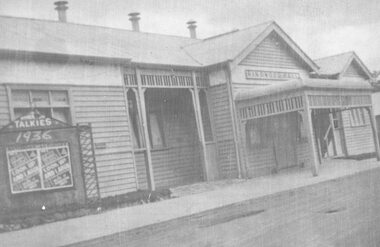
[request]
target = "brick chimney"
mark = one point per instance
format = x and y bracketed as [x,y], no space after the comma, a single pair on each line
[61,7]
[192,28]
[134,18]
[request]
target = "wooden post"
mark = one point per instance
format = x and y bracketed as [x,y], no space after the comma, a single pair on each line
[309,127]
[144,122]
[374,132]
[199,122]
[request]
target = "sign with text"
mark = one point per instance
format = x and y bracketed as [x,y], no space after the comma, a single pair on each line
[270,75]
[34,120]
[42,167]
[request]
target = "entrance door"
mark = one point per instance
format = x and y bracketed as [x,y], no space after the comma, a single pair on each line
[284,140]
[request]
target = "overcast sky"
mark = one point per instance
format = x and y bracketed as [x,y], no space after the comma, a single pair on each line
[320,27]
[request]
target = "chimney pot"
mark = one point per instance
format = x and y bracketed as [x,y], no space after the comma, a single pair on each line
[134,18]
[61,7]
[191,25]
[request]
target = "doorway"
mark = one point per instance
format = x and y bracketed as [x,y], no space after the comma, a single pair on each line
[329,132]
[284,139]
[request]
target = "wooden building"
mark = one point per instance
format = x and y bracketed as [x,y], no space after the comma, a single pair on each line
[167,111]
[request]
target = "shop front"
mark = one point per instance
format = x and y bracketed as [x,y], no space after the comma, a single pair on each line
[304,126]
[42,164]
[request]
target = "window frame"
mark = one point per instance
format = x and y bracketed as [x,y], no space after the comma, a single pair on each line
[51,106]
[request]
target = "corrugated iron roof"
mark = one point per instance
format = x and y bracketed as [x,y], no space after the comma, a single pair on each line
[53,37]
[224,47]
[334,65]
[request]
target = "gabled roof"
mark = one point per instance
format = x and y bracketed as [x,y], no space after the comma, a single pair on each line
[237,44]
[53,37]
[336,65]
[224,47]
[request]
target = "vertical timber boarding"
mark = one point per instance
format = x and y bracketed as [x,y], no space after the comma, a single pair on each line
[105,108]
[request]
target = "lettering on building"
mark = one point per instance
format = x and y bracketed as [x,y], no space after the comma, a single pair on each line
[270,75]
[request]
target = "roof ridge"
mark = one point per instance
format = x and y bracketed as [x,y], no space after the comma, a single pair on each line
[228,33]
[335,55]
[96,26]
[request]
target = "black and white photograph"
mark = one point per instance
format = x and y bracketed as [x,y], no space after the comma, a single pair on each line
[189,123]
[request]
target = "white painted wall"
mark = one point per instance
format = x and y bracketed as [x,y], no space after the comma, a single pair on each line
[30,71]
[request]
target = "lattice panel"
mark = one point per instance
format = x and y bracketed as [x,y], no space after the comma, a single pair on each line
[88,163]
[271,108]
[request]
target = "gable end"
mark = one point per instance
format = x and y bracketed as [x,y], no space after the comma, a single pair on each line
[274,52]
[354,70]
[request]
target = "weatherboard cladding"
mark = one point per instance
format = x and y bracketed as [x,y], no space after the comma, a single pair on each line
[354,71]
[273,52]
[359,139]
[220,111]
[105,109]
[4,107]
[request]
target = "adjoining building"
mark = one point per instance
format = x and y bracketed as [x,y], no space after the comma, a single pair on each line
[167,111]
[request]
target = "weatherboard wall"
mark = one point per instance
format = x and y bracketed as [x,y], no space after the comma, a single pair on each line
[223,130]
[359,139]
[96,97]
[5,117]
[105,108]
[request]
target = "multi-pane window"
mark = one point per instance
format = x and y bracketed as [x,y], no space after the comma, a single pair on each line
[357,117]
[51,103]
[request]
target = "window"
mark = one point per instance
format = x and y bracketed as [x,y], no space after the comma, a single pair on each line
[357,117]
[134,119]
[205,116]
[156,130]
[54,104]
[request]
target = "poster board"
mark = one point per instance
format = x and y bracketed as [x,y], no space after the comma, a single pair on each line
[37,153]
[40,167]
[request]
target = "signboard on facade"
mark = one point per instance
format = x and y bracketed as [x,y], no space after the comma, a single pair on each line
[39,168]
[38,158]
[270,75]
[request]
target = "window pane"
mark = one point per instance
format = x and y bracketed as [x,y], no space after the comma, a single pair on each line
[60,98]
[20,97]
[156,131]
[44,111]
[19,112]
[40,98]
[61,114]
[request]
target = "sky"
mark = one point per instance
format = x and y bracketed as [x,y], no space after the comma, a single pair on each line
[320,27]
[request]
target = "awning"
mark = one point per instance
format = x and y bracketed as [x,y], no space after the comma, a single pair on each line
[293,85]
